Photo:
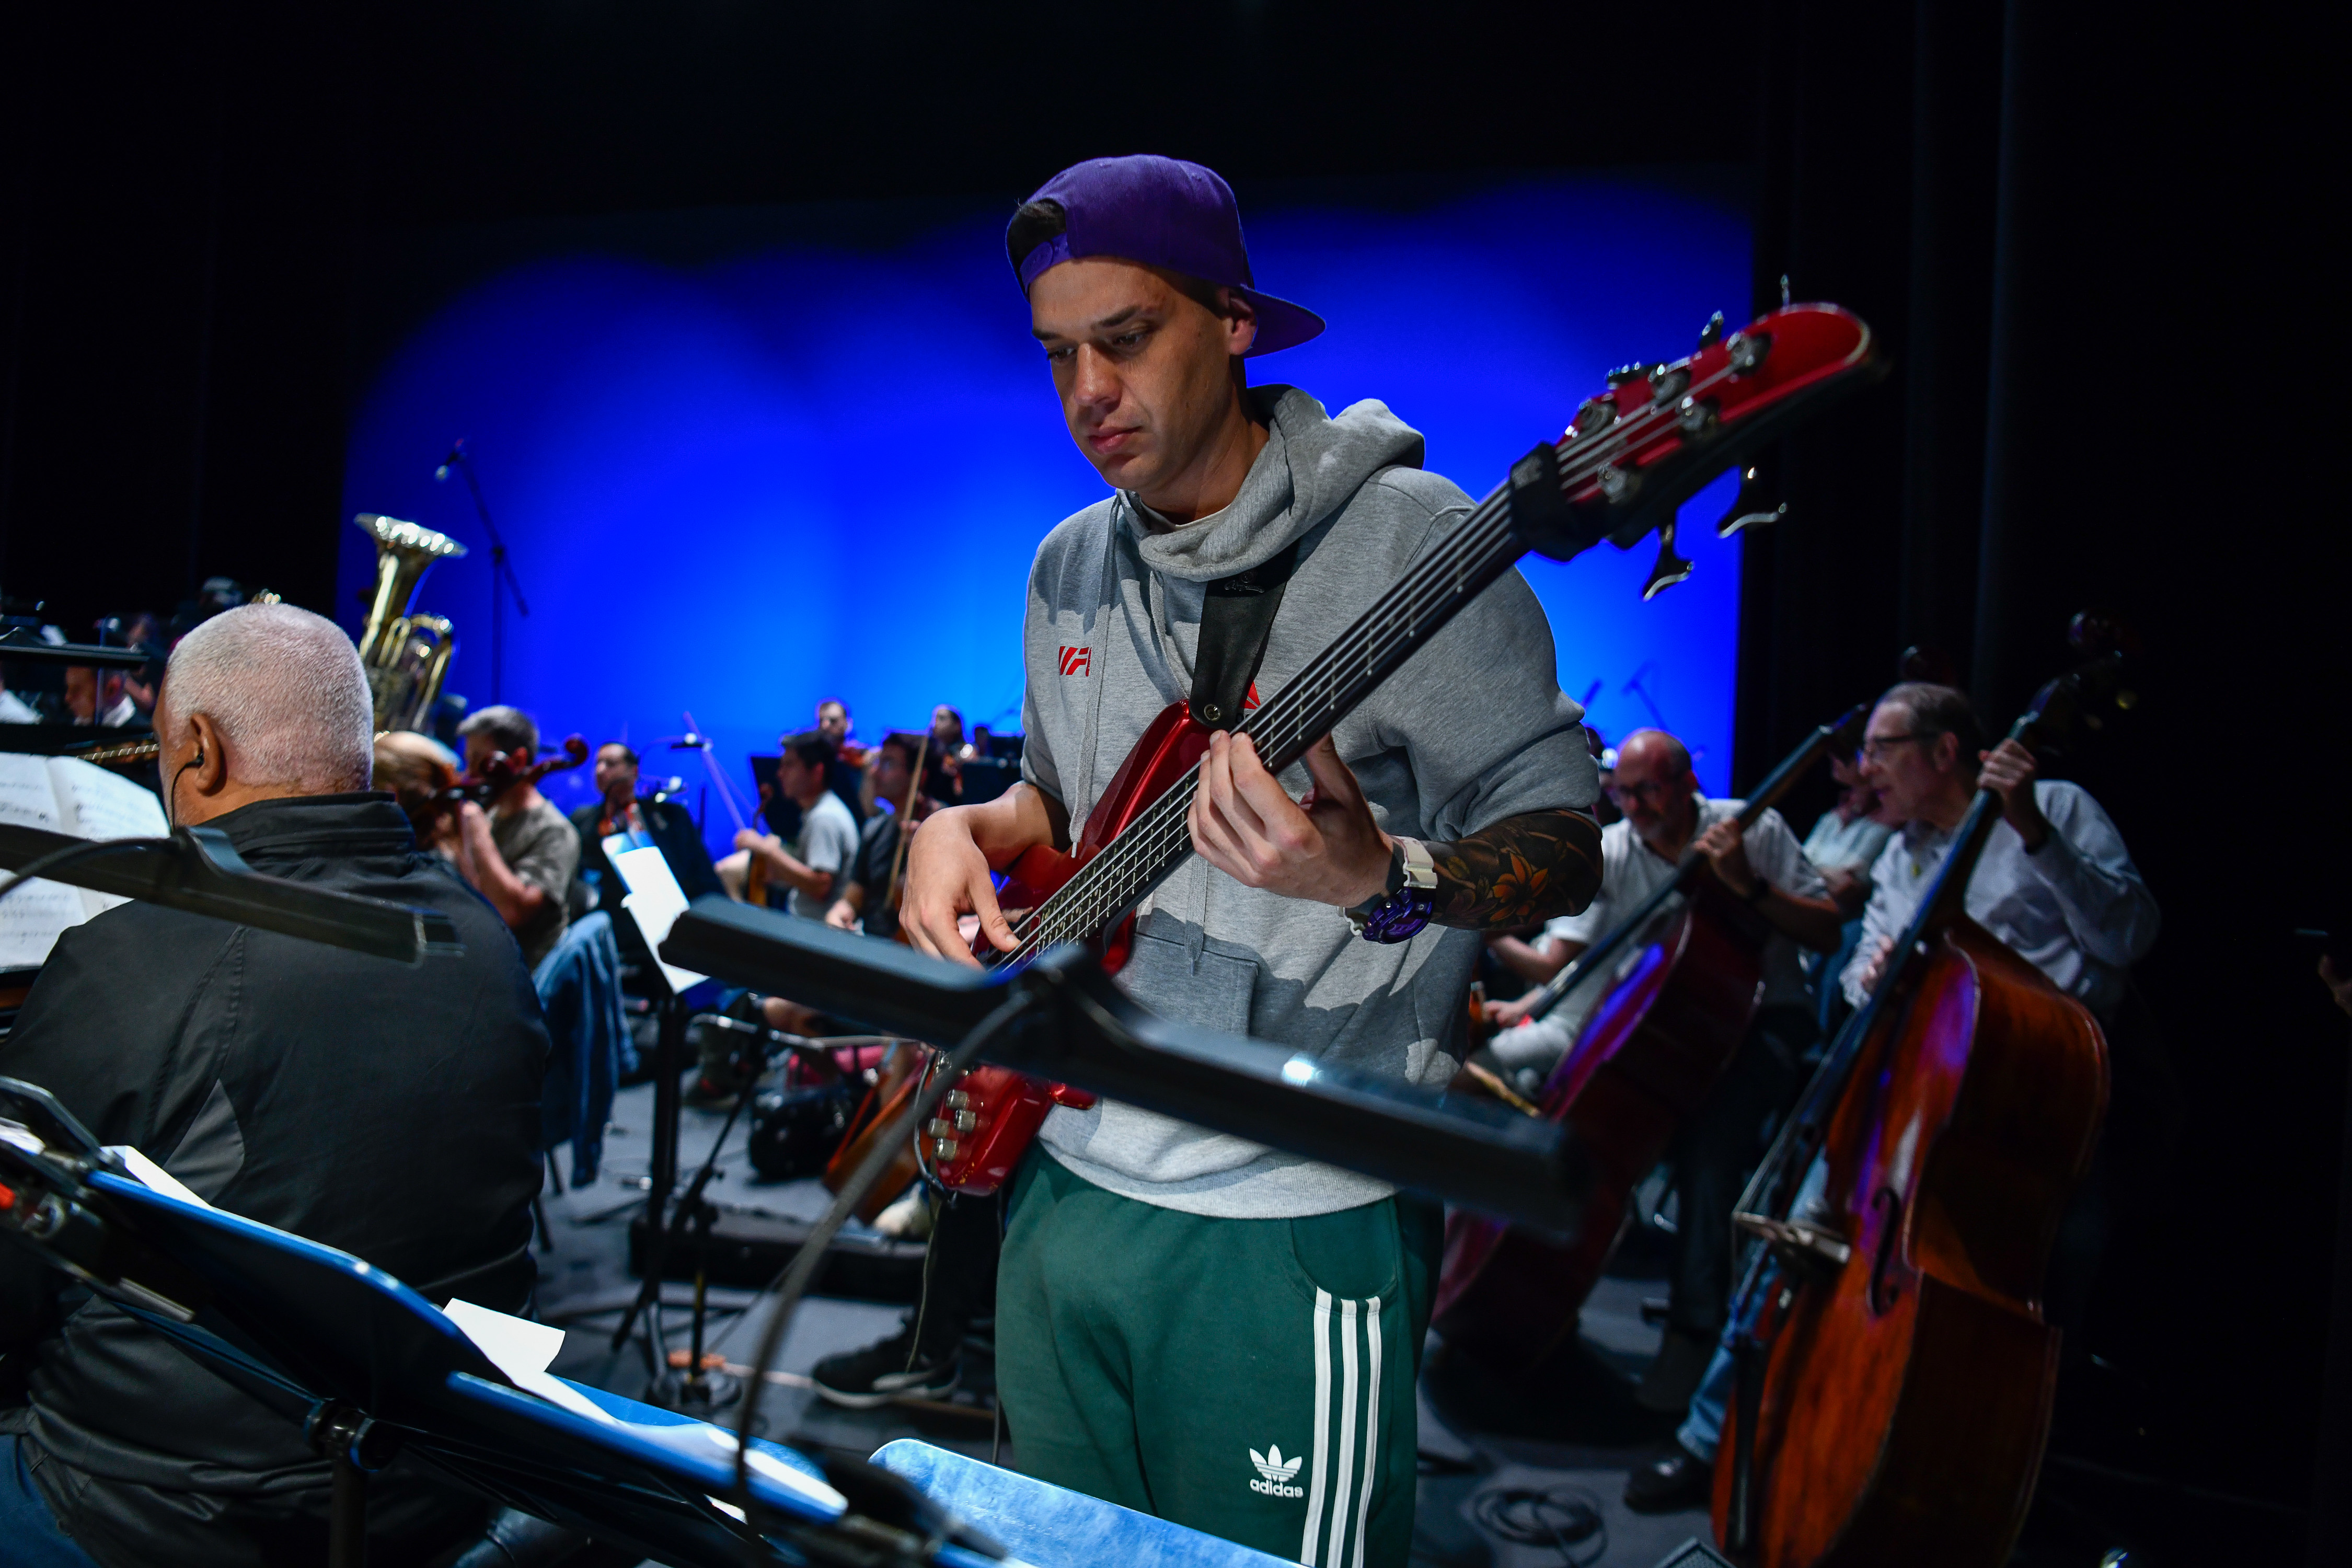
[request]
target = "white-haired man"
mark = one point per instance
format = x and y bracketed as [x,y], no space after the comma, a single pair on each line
[389,1110]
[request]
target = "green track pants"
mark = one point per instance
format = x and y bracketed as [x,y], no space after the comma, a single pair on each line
[1250,1378]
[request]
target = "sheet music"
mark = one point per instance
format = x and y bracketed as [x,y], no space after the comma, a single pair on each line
[100,805]
[27,798]
[32,918]
[654,901]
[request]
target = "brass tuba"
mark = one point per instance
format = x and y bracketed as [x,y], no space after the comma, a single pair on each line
[406,656]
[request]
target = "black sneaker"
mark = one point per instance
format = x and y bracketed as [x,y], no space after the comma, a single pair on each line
[1668,1479]
[866,1379]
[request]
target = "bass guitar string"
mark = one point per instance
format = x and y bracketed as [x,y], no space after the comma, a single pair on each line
[1100,888]
[1096,897]
[1161,831]
[1466,562]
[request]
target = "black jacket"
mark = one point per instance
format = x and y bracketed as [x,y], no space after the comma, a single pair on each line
[388,1110]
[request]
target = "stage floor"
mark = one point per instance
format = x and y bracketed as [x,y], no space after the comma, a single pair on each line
[1573,1433]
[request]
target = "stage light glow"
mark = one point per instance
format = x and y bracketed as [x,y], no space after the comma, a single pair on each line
[788,473]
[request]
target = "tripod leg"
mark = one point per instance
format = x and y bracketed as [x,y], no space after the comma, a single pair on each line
[347,1516]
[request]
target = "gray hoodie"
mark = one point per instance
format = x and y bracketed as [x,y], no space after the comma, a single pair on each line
[1471,730]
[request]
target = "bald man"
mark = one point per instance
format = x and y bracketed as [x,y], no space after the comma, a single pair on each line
[1666,820]
[389,1110]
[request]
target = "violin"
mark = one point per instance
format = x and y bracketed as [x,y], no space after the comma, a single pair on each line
[499,774]
[1895,1380]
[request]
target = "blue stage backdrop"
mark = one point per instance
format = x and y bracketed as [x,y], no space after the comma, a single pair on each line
[737,484]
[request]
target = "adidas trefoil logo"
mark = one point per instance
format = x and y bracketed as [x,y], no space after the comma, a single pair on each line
[1276,1472]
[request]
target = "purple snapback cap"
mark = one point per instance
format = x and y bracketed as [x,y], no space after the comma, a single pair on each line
[1164,211]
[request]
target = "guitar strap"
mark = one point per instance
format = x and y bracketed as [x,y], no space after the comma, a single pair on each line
[1236,618]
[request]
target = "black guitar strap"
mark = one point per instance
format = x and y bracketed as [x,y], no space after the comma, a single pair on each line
[1236,620]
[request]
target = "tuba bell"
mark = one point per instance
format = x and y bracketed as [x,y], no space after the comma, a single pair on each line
[406,656]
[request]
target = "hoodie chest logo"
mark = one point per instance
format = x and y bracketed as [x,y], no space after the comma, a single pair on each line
[1077,660]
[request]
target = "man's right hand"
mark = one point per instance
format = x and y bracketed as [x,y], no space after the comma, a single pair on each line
[947,879]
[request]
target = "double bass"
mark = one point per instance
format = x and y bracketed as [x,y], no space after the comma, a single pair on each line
[1895,1376]
[1686,981]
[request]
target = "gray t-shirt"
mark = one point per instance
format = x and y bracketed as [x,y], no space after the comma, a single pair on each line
[1631,871]
[827,842]
[541,848]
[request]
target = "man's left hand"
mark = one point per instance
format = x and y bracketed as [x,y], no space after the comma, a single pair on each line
[2008,772]
[1725,848]
[764,845]
[1326,847]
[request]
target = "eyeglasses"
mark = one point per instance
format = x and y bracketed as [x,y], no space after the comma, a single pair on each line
[1647,789]
[1878,746]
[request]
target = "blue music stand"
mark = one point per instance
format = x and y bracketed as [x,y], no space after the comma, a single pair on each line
[357,1356]
[1045,1524]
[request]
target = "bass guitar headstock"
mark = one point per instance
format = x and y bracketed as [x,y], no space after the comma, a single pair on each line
[1636,451]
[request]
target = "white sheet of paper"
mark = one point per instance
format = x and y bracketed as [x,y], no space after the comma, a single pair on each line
[27,798]
[654,900]
[155,1178]
[523,1350]
[96,804]
[32,917]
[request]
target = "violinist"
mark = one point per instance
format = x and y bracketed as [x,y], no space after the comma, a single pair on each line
[522,853]
[826,842]
[417,770]
[615,810]
[1666,819]
[2054,882]
[844,776]
[892,798]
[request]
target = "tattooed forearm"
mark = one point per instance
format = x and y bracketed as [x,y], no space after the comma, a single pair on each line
[1521,871]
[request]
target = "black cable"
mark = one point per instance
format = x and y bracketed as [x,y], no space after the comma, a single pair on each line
[41,865]
[811,1255]
[1561,1516]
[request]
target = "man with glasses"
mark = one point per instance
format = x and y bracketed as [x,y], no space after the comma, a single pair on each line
[2055,883]
[1666,821]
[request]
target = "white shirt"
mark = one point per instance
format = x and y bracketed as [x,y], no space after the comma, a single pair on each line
[1631,871]
[2076,909]
[1836,844]
[13,710]
[828,842]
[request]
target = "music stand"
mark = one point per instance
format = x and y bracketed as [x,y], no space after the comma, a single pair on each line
[372,1368]
[1077,1028]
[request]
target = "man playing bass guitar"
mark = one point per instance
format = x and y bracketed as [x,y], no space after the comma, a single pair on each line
[1666,820]
[1190,1324]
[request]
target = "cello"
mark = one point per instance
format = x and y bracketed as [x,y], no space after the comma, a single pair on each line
[1894,1379]
[1687,977]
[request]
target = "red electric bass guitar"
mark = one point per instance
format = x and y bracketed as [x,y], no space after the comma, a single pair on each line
[1633,454]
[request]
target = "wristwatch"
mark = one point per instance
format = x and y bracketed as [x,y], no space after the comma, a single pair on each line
[1401,911]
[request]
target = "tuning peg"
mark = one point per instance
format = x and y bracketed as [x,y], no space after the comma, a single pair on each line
[1670,568]
[1712,334]
[1748,508]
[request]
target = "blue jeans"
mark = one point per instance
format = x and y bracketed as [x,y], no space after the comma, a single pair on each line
[26,1523]
[1701,1428]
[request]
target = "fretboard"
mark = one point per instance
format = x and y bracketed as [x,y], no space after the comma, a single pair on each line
[1153,845]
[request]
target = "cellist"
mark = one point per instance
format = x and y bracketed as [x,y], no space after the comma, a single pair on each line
[2054,883]
[1666,820]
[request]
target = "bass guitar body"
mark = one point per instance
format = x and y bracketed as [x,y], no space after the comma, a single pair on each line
[1641,1065]
[978,1141]
[1907,1388]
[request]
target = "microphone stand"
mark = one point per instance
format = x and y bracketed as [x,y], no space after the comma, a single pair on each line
[501,569]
